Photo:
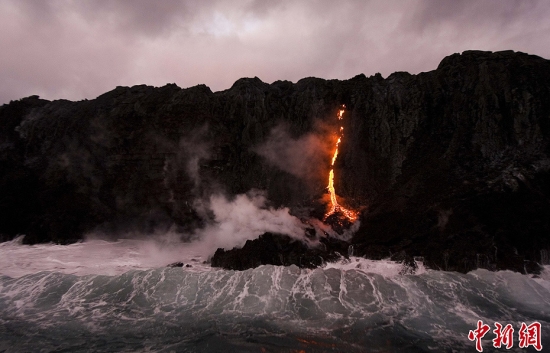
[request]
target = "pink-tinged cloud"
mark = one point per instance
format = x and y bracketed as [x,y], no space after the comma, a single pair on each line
[79,49]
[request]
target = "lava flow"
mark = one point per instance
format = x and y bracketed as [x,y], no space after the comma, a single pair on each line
[335,207]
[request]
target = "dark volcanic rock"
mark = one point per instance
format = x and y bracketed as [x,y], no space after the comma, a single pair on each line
[280,250]
[452,165]
[468,180]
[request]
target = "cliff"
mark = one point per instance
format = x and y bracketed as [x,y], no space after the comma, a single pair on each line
[452,164]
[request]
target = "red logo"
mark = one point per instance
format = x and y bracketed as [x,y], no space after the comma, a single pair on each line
[504,335]
[478,334]
[530,336]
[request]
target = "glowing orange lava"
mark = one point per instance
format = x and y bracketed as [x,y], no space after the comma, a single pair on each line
[334,206]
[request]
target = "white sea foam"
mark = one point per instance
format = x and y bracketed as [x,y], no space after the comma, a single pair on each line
[386,268]
[121,291]
[97,257]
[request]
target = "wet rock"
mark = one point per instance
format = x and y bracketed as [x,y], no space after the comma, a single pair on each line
[279,250]
[452,165]
[179,264]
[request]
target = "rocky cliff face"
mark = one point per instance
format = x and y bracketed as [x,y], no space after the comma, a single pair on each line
[452,165]
[465,170]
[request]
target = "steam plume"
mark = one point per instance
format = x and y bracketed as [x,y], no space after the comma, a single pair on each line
[244,218]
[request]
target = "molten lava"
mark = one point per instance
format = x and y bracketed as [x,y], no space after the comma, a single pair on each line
[334,206]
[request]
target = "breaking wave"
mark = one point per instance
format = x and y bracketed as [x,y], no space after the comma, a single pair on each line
[354,305]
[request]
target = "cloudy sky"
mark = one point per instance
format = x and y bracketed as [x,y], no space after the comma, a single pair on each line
[78,49]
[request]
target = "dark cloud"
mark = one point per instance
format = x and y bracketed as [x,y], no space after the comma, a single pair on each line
[138,17]
[465,13]
[80,49]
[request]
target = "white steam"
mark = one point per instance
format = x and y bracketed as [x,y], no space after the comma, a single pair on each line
[245,218]
[301,157]
[230,221]
[194,149]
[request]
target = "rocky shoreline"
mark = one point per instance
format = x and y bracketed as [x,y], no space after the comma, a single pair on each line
[452,165]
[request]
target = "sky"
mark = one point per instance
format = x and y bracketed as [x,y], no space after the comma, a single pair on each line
[77,49]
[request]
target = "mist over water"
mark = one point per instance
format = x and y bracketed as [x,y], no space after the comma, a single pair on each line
[118,297]
[245,218]
[97,257]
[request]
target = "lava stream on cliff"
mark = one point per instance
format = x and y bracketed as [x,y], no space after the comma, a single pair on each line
[334,206]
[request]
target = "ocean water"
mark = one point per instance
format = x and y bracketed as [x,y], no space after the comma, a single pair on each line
[100,296]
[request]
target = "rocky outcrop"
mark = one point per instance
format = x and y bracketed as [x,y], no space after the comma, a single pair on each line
[452,165]
[280,250]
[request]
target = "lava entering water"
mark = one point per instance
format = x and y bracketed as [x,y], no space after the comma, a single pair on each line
[335,207]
